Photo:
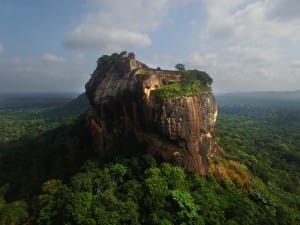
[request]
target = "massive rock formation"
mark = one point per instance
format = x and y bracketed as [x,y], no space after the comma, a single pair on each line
[131,100]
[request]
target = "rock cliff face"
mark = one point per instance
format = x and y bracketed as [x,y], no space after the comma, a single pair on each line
[123,96]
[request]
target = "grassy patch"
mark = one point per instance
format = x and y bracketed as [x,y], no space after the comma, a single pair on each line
[182,88]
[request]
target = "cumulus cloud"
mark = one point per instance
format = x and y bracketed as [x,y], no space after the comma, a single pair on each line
[51,58]
[244,45]
[254,54]
[79,59]
[198,60]
[107,38]
[255,42]
[1,48]
[285,10]
[247,21]
[194,60]
[114,25]
[295,63]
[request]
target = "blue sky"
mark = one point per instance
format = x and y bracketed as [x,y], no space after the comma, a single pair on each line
[245,45]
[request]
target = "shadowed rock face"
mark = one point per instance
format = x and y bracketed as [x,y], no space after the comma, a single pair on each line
[180,128]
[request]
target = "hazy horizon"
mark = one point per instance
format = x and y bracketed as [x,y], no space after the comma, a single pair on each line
[75,94]
[245,45]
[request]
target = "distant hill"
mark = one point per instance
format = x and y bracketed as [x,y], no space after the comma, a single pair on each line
[73,107]
[282,107]
[279,95]
[263,99]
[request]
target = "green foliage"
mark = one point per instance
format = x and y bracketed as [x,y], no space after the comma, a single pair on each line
[193,82]
[157,186]
[202,76]
[113,58]
[185,202]
[13,213]
[117,172]
[175,176]
[63,183]
[48,190]
[27,117]
[182,88]
[180,67]
[123,54]
[103,59]
[163,194]
[256,131]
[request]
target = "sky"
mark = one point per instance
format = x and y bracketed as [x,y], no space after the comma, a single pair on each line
[245,45]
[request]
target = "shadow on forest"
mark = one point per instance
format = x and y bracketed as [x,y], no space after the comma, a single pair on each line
[27,162]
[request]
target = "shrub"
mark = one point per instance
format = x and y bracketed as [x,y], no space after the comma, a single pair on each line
[182,88]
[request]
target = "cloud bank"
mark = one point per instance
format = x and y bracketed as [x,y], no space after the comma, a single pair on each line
[51,58]
[255,43]
[245,45]
[114,25]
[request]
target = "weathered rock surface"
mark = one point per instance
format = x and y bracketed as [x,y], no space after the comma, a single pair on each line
[180,128]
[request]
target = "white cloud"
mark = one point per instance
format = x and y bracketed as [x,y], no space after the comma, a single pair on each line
[1,48]
[79,59]
[51,58]
[295,63]
[242,44]
[115,25]
[254,54]
[164,61]
[247,22]
[105,38]
[198,60]
[284,10]
[194,60]
[255,43]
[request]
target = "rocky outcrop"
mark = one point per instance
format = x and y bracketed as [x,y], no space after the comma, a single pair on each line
[123,96]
